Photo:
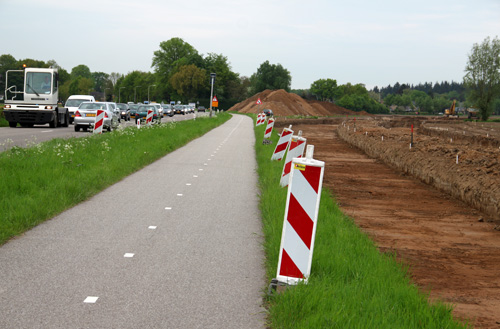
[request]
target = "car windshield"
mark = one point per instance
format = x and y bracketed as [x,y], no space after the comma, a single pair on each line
[133,107]
[178,107]
[92,106]
[122,106]
[75,102]
[146,108]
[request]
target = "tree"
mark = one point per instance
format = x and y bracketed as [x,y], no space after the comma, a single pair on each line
[101,80]
[81,71]
[172,55]
[189,81]
[482,77]
[7,62]
[325,89]
[166,59]
[270,76]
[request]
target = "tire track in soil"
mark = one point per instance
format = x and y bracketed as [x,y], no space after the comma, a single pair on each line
[450,254]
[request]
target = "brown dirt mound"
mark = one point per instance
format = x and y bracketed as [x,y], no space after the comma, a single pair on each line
[287,104]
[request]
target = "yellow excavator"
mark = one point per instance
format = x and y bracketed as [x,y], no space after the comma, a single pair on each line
[451,111]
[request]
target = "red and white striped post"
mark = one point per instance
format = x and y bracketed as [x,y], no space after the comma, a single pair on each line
[269,128]
[301,214]
[295,150]
[261,118]
[99,122]
[284,141]
[149,117]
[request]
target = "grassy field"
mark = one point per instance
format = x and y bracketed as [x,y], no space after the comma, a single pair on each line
[38,182]
[352,285]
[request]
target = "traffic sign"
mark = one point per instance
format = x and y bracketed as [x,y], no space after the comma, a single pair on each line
[258,102]
[215,102]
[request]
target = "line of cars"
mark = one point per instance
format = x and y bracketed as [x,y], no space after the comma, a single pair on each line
[83,110]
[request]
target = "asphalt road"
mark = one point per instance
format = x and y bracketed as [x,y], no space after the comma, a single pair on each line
[175,245]
[23,137]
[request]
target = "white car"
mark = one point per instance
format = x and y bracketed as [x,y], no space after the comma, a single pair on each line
[74,101]
[159,108]
[87,111]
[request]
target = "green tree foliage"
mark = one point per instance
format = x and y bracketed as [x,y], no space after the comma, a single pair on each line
[357,98]
[325,89]
[188,82]
[7,62]
[270,76]
[81,86]
[101,81]
[482,77]
[81,71]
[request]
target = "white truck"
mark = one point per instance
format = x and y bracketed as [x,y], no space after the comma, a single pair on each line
[34,99]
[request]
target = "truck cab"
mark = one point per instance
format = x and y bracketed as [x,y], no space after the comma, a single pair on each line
[33,99]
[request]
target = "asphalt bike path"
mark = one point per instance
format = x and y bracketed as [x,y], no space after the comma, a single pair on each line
[175,245]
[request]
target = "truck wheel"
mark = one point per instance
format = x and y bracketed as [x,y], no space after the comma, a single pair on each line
[53,123]
[66,120]
[12,124]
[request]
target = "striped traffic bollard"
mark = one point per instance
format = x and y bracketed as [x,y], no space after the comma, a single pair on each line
[283,142]
[99,121]
[295,150]
[257,122]
[301,214]
[262,119]
[149,117]
[138,123]
[269,128]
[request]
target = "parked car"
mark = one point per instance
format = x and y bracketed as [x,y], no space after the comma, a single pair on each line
[87,111]
[201,108]
[179,109]
[74,101]
[268,112]
[133,109]
[124,111]
[142,113]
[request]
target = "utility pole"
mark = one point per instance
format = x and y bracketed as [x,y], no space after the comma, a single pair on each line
[212,81]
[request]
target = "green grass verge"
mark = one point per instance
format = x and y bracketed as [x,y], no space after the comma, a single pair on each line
[38,182]
[352,285]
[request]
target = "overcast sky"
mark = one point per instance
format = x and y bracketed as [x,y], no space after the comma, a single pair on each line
[376,43]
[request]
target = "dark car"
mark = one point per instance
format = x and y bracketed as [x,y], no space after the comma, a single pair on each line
[201,108]
[133,109]
[142,113]
[179,109]
[124,111]
[268,112]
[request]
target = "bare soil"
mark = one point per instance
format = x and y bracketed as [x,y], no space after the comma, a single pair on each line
[283,103]
[419,203]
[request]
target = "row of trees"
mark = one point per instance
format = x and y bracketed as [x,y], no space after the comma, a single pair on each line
[180,73]
[354,97]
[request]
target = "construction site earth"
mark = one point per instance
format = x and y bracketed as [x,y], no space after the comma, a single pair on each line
[430,196]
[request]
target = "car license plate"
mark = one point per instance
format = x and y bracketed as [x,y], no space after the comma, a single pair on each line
[90,115]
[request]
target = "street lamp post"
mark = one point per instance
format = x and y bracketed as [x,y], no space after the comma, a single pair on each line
[212,81]
[105,93]
[135,92]
[119,95]
[148,90]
